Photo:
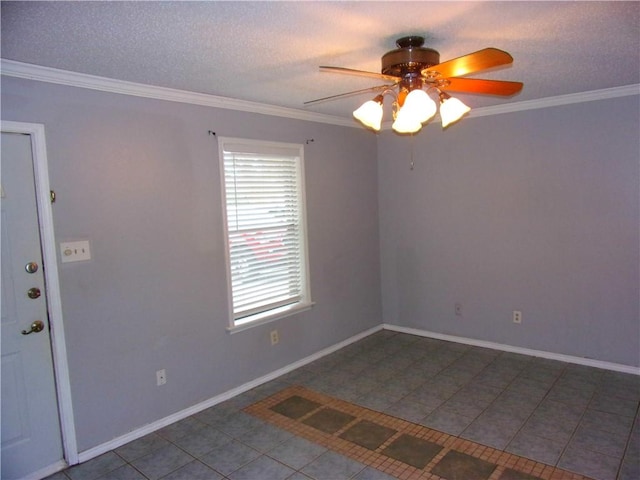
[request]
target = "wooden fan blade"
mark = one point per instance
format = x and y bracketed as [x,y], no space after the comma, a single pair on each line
[355,92]
[473,62]
[479,85]
[362,73]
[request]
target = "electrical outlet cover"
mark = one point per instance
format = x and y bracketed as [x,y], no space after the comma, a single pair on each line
[517,316]
[75,251]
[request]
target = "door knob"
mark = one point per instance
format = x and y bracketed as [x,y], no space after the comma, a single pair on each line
[36,327]
[31,267]
[33,293]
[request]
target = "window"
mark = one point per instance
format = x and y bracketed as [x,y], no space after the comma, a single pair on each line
[265,224]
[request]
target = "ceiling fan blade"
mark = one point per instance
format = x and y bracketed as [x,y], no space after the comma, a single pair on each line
[355,92]
[362,73]
[479,85]
[473,62]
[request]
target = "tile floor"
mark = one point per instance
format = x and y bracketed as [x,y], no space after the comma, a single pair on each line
[577,418]
[399,448]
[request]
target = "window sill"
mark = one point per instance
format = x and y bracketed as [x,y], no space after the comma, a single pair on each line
[270,316]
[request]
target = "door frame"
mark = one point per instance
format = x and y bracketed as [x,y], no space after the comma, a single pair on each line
[52,283]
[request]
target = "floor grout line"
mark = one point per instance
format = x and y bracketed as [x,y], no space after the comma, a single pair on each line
[264,409]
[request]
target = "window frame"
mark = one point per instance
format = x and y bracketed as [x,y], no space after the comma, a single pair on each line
[270,314]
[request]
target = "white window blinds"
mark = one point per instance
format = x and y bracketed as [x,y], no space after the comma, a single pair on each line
[263,192]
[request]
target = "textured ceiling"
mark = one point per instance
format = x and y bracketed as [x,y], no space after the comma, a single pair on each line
[269,52]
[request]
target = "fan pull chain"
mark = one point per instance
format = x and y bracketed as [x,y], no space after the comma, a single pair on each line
[412,163]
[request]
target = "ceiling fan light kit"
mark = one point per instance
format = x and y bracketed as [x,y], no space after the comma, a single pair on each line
[370,113]
[451,109]
[416,73]
[418,108]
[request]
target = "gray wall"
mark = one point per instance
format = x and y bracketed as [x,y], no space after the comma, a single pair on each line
[139,178]
[534,211]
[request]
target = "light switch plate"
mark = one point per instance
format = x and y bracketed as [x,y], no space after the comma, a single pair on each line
[75,251]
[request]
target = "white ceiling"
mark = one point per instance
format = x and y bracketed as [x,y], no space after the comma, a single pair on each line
[269,52]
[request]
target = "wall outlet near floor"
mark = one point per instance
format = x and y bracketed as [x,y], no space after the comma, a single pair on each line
[274,337]
[161,377]
[517,316]
[458,309]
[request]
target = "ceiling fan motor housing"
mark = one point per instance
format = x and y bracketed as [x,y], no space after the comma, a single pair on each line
[408,61]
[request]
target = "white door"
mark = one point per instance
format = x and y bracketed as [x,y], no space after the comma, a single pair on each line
[31,434]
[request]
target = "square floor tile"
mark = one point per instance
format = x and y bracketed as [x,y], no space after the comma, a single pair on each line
[263,391]
[611,404]
[509,474]
[194,471]
[570,396]
[460,466]
[447,421]
[370,473]
[407,410]
[262,467]
[368,434]
[162,462]
[203,441]
[95,467]
[620,384]
[332,466]
[592,464]
[230,457]
[375,401]
[297,452]
[328,420]
[630,469]
[126,472]
[464,405]
[295,407]
[217,413]
[238,423]
[265,438]
[607,422]
[142,446]
[495,377]
[542,426]
[490,433]
[186,426]
[426,397]
[536,448]
[411,450]
[544,376]
[598,441]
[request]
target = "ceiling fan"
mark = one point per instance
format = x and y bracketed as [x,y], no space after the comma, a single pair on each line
[415,72]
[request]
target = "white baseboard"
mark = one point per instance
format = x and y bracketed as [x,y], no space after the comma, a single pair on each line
[187,412]
[152,427]
[617,367]
[47,471]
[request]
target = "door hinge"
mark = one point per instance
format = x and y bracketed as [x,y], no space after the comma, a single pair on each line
[52,196]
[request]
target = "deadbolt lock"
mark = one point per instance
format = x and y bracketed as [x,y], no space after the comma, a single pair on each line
[31,267]
[33,293]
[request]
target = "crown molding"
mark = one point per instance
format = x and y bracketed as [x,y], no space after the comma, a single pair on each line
[547,102]
[558,100]
[12,68]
